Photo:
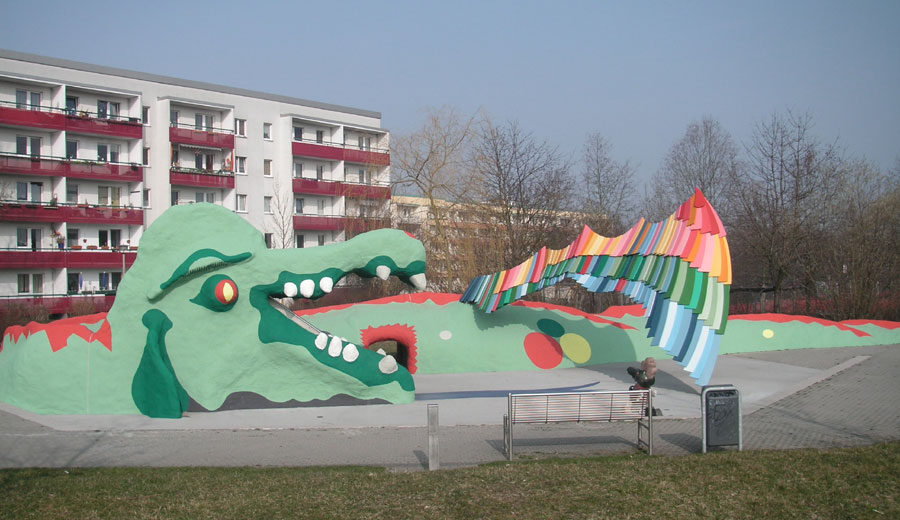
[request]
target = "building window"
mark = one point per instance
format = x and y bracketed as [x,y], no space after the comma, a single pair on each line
[24,283]
[108,153]
[108,195]
[27,99]
[146,156]
[268,240]
[298,206]
[146,198]
[28,145]
[267,204]
[320,136]
[174,197]
[320,172]
[321,206]
[110,281]
[203,122]
[107,109]
[22,237]
[173,117]
[241,203]
[175,160]
[71,105]
[267,167]
[71,237]
[71,149]
[321,240]
[72,193]
[298,133]
[240,127]
[298,170]
[203,161]
[301,241]
[365,143]
[241,164]
[206,196]
[145,115]
[109,237]
[267,130]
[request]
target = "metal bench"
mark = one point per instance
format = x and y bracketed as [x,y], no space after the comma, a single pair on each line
[606,406]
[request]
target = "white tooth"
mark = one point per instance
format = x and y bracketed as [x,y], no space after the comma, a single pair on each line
[290,289]
[307,288]
[383,272]
[321,341]
[381,351]
[418,281]
[387,365]
[350,353]
[326,284]
[334,348]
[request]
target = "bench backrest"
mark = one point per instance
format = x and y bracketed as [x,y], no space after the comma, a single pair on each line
[624,405]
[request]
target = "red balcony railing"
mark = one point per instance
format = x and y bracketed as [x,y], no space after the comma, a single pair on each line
[201,178]
[60,167]
[25,211]
[335,152]
[366,191]
[50,118]
[316,187]
[355,155]
[318,223]
[214,138]
[104,214]
[66,258]
[318,151]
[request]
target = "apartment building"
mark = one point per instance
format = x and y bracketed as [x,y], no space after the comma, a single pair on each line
[91,155]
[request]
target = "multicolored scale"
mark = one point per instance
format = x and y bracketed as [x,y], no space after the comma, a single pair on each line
[679,270]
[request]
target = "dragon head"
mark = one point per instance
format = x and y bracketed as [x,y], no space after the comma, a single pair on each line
[201,304]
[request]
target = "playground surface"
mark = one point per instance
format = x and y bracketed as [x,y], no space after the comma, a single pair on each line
[790,399]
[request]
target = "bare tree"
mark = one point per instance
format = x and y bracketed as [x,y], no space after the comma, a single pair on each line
[705,157]
[524,190]
[281,223]
[431,162]
[781,201]
[608,187]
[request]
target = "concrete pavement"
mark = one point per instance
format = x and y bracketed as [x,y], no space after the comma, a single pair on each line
[798,398]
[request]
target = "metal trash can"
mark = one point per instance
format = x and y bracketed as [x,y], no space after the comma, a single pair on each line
[721,410]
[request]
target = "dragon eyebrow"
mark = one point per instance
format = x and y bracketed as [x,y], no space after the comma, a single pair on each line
[201,261]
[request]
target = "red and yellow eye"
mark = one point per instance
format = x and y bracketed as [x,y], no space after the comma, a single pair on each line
[219,293]
[226,292]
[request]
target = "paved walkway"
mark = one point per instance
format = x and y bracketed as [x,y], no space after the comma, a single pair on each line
[790,399]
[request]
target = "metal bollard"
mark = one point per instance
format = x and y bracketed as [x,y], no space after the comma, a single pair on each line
[434,460]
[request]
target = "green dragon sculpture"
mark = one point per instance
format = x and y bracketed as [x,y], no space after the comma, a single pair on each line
[179,326]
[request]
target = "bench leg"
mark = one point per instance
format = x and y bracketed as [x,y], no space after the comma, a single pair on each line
[507,437]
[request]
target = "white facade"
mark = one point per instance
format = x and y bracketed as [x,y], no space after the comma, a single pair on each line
[90,156]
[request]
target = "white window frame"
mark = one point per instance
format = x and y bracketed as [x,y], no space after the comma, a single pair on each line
[267,167]
[267,204]
[240,165]
[240,127]
[240,203]
[267,131]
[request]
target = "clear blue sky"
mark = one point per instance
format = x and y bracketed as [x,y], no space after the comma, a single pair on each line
[638,72]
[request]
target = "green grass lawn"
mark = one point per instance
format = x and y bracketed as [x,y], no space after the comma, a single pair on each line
[841,483]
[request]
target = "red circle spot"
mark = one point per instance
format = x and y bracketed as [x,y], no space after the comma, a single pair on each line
[543,350]
[226,292]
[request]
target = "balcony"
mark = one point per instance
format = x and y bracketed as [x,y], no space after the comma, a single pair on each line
[65,258]
[218,138]
[50,166]
[83,122]
[316,187]
[59,303]
[25,211]
[201,178]
[366,191]
[318,223]
[337,152]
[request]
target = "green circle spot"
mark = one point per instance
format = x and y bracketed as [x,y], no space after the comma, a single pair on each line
[551,328]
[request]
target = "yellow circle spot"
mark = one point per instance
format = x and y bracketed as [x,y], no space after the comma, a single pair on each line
[768,333]
[575,347]
[228,292]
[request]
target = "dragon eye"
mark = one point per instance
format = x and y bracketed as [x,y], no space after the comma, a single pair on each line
[219,293]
